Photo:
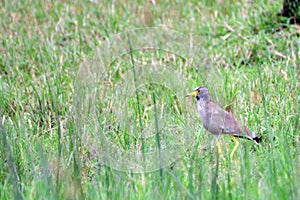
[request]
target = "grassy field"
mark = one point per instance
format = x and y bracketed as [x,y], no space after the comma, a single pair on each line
[84,117]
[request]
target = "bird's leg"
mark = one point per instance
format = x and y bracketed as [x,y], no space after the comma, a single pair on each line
[235,147]
[218,144]
[219,148]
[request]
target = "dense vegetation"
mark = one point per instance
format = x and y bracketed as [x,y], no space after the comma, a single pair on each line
[64,80]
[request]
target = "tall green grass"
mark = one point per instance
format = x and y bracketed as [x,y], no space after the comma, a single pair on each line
[247,62]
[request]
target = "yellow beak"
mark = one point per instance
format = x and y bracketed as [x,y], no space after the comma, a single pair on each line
[194,93]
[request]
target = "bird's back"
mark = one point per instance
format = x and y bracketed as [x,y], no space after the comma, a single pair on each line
[218,121]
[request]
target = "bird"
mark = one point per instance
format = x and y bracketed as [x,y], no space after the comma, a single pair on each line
[218,121]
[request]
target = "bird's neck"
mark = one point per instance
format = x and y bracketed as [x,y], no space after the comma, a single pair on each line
[201,103]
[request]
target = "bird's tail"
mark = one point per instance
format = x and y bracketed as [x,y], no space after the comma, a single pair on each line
[257,139]
[250,135]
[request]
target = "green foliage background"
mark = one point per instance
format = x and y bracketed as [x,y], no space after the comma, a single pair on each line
[257,62]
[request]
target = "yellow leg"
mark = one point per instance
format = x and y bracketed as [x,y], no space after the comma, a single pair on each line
[219,148]
[235,147]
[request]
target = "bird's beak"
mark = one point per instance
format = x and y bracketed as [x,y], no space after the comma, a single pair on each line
[193,94]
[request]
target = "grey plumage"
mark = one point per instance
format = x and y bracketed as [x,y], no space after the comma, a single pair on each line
[216,120]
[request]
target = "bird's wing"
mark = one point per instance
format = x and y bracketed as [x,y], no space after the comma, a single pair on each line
[231,125]
[222,121]
[218,121]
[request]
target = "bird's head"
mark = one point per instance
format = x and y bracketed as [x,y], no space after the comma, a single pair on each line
[201,93]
